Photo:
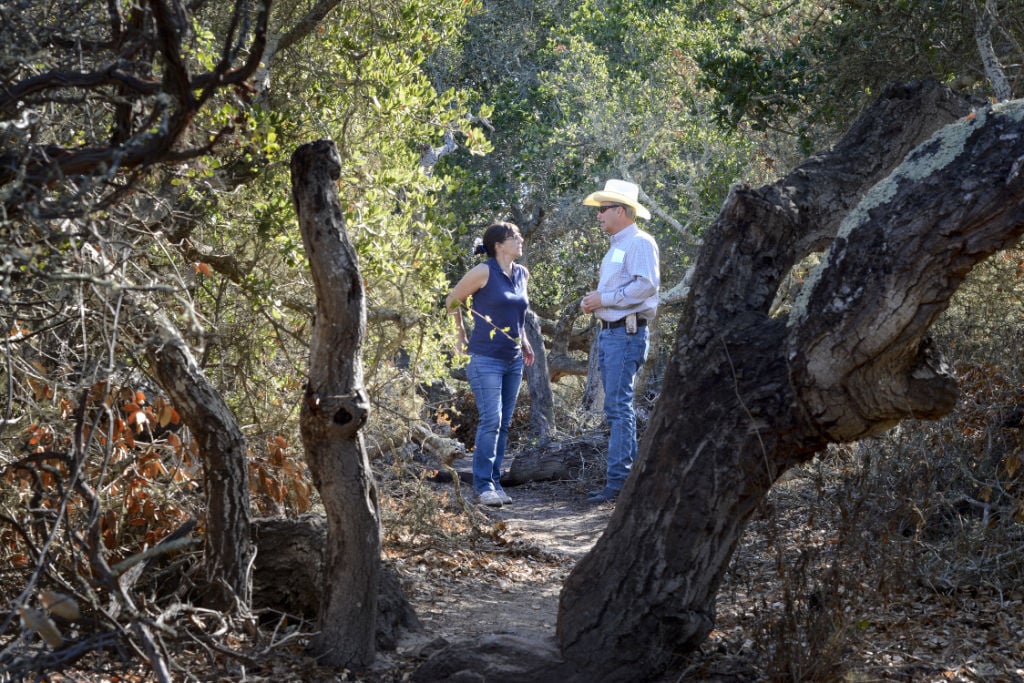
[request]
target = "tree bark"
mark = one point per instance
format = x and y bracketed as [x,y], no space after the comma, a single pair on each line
[223,450]
[538,381]
[334,409]
[557,460]
[287,576]
[747,395]
[986,20]
[593,390]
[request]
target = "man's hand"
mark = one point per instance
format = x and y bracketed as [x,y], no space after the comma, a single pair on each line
[591,302]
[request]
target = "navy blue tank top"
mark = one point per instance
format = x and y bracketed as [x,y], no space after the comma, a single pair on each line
[503,301]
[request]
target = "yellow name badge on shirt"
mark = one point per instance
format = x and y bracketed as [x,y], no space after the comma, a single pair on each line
[618,256]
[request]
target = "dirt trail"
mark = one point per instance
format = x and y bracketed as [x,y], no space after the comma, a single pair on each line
[912,633]
[550,527]
[554,516]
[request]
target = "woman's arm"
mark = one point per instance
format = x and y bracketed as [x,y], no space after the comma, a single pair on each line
[471,283]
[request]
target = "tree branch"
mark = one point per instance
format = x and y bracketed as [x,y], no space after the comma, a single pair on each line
[987,19]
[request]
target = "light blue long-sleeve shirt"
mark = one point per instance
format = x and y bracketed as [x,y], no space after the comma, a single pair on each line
[630,276]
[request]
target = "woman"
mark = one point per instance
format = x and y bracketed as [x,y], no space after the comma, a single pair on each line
[497,349]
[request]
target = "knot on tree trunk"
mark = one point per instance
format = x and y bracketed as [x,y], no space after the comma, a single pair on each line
[907,382]
[348,412]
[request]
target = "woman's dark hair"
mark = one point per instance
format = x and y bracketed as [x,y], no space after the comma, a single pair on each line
[495,233]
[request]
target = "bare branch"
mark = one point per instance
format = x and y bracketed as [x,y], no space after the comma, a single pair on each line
[987,19]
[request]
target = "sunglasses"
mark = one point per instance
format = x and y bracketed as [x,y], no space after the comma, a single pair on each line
[602,209]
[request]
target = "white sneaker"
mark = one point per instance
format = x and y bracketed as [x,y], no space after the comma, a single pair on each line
[505,498]
[490,498]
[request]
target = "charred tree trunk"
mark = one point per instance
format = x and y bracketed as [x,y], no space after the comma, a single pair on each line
[748,396]
[334,409]
[222,448]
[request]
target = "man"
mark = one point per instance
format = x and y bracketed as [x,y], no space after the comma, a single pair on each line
[625,302]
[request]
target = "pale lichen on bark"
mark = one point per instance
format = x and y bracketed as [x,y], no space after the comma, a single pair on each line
[936,153]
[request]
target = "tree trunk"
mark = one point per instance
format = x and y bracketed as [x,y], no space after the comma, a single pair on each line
[334,409]
[538,381]
[222,448]
[747,396]
[593,390]
[287,576]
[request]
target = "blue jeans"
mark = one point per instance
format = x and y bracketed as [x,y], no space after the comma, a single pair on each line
[620,357]
[495,384]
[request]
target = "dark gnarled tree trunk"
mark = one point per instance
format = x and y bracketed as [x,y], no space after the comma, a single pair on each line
[334,410]
[222,447]
[748,396]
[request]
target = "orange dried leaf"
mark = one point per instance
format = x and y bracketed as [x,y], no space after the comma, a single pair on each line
[41,624]
[41,390]
[166,413]
[155,469]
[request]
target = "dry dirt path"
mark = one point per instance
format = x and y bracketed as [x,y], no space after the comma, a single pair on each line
[511,586]
[548,528]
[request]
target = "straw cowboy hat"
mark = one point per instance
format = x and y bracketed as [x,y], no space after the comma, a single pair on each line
[619,192]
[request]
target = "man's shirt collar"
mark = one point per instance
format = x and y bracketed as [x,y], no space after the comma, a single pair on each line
[625,234]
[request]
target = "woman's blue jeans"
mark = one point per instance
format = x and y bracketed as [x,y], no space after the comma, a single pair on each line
[620,357]
[495,384]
